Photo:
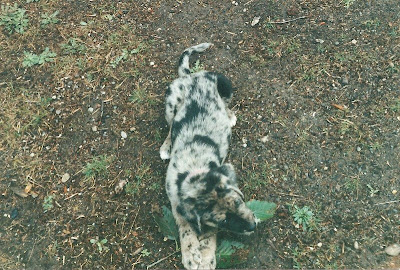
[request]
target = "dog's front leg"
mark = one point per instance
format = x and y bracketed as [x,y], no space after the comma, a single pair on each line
[190,246]
[208,246]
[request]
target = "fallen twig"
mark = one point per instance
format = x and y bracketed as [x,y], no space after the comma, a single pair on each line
[288,21]
[389,202]
[160,260]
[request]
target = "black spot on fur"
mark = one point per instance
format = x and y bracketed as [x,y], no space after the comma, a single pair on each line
[181,87]
[205,140]
[193,110]
[179,99]
[186,70]
[210,76]
[212,179]
[181,177]
[212,165]
[168,92]
[169,104]
[183,55]
[224,86]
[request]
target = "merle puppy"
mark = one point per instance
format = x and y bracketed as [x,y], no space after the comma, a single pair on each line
[202,189]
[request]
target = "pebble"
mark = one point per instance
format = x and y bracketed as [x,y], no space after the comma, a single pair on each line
[393,250]
[90,109]
[94,128]
[255,21]
[345,80]
[358,148]
[264,139]
[319,244]
[151,63]
[65,177]
[124,135]
[354,42]
[356,245]
[394,192]
[58,111]
[320,41]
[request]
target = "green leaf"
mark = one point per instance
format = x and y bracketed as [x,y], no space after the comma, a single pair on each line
[230,253]
[167,224]
[262,210]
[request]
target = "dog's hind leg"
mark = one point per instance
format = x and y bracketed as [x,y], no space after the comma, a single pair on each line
[165,149]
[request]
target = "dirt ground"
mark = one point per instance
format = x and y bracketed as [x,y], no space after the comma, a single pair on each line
[318,106]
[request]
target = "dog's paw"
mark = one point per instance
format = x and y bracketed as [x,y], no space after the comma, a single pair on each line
[191,257]
[165,150]
[232,119]
[164,154]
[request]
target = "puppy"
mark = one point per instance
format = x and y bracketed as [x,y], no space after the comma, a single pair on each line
[202,189]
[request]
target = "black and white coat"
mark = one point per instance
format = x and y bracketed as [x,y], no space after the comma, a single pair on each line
[202,189]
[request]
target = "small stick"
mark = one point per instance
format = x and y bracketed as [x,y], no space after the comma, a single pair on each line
[389,202]
[160,260]
[287,194]
[288,21]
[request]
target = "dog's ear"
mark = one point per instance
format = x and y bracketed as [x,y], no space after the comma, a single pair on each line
[187,211]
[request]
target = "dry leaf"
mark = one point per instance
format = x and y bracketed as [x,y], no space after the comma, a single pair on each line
[20,192]
[28,188]
[65,177]
[339,107]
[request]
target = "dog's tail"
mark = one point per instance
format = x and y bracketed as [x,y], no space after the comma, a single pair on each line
[183,68]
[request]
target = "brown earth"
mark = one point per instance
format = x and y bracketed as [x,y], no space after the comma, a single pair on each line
[318,106]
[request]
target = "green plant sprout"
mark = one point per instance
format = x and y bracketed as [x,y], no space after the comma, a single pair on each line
[32,59]
[100,244]
[48,203]
[304,217]
[49,19]
[13,18]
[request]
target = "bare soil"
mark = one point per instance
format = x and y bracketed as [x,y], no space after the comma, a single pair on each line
[318,106]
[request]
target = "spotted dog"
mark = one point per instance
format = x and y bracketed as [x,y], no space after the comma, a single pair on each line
[202,189]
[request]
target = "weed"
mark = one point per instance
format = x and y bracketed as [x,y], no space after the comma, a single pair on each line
[100,244]
[395,107]
[138,96]
[304,217]
[197,67]
[352,184]
[48,203]
[345,126]
[49,19]
[97,167]
[348,3]
[296,257]
[372,24]
[372,191]
[132,188]
[31,1]
[293,46]
[393,68]
[73,46]
[145,252]
[13,19]
[124,55]
[32,59]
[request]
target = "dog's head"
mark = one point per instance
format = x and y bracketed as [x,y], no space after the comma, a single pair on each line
[212,198]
